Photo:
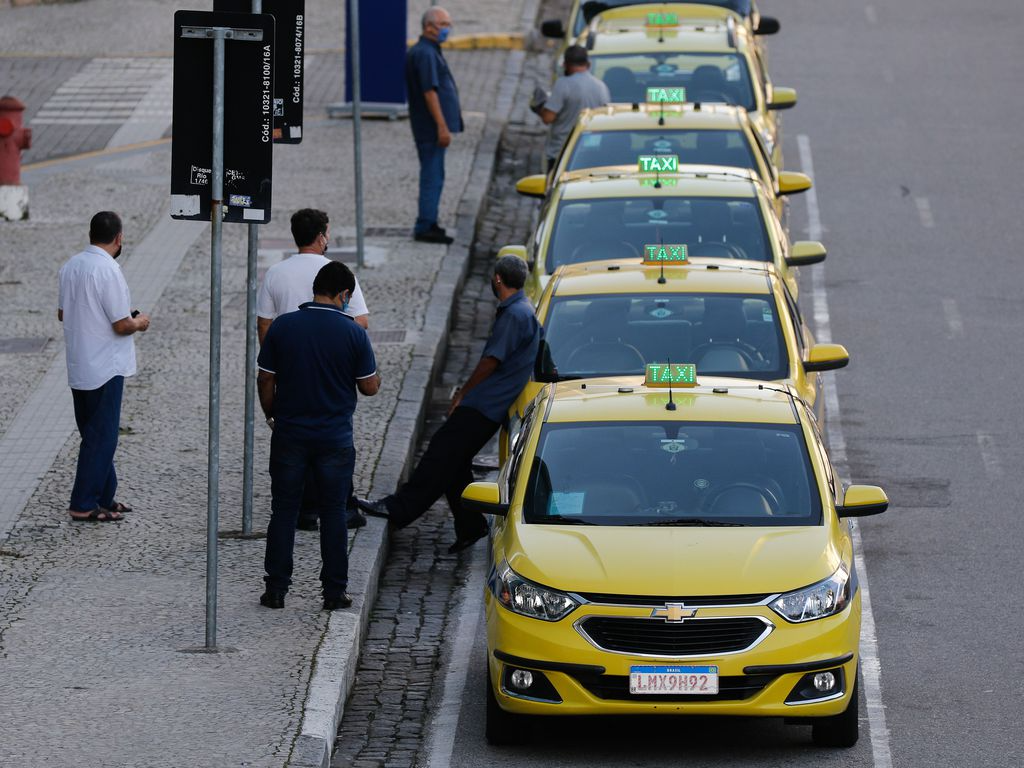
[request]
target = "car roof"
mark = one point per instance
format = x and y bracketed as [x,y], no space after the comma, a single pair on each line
[630,276]
[715,399]
[690,181]
[611,35]
[625,117]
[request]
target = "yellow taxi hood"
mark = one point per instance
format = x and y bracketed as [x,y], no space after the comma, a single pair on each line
[670,561]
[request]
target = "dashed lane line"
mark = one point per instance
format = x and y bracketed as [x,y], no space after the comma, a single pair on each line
[871,668]
[871,13]
[924,211]
[954,320]
[990,456]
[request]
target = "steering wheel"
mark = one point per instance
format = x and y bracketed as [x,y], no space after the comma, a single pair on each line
[612,355]
[605,250]
[742,491]
[750,354]
[731,251]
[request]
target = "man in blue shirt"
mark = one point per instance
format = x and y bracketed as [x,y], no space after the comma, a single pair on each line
[477,411]
[434,115]
[311,363]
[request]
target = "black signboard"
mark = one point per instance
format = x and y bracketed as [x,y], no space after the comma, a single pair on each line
[288,61]
[248,118]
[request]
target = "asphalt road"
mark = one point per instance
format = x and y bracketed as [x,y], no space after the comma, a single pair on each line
[910,114]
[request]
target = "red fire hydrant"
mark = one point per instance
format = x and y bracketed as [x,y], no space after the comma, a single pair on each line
[13,139]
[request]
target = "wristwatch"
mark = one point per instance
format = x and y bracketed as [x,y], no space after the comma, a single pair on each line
[270,422]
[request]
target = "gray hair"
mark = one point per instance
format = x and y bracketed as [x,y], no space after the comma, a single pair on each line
[430,15]
[512,270]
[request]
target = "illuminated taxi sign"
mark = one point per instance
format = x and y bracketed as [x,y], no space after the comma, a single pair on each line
[662,19]
[658,163]
[664,375]
[657,95]
[669,182]
[669,253]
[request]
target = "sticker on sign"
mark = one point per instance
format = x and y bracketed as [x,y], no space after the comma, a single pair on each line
[694,681]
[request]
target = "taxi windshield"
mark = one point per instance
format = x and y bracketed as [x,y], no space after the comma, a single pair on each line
[590,8]
[611,335]
[619,228]
[707,77]
[701,147]
[673,474]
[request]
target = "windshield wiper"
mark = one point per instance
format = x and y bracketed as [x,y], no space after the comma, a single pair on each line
[567,520]
[694,522]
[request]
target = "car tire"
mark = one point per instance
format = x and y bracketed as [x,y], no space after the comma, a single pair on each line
[502,728]
[840,730]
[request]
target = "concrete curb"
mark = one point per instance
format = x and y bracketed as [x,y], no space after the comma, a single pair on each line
[335,662]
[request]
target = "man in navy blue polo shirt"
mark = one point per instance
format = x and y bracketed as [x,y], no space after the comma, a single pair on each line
[311,363]
[477,411]
[434,115]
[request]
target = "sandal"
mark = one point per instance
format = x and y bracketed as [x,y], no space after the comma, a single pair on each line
[117,508]
[98,515]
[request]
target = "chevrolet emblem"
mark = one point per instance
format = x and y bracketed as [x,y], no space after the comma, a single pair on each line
[674,612]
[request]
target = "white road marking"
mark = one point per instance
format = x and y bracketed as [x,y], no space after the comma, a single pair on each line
[870,665]
[989,456]
[954,319]
[869,11]
[924,210]
[441,738]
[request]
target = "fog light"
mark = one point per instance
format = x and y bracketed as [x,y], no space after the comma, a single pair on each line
[522,679]
[824,681]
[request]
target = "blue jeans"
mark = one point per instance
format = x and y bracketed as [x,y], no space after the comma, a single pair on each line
[330,465]
[98,415]
[431,183]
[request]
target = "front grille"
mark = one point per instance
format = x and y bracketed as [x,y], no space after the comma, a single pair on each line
[616,688]
[655,637]
[607,599]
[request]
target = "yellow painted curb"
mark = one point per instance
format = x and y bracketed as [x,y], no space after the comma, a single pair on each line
[483,41]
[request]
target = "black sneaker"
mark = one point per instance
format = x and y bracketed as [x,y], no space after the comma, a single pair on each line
[272,599]
[344,600]
[433,236]
[374,508]
[354,519]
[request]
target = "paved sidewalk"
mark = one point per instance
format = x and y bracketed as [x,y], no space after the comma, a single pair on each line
[98,623]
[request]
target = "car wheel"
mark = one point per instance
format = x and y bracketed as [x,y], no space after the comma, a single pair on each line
[840,730]
[502,728]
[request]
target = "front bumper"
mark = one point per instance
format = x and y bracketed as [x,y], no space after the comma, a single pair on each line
[761,680]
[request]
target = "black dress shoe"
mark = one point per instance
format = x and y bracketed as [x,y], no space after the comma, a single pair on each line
[272,599]
[433,236]
[466,543]
[435,228]
[374,508]
[344,600]
[354,519]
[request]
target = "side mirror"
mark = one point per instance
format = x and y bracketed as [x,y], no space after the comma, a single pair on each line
[768,25]
[791,182]
[782,98]
[863,500]
[533,186]
[806,252]
[826,357]
[552,28]
[484,498]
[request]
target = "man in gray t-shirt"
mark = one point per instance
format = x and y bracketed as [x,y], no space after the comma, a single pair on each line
[577,91]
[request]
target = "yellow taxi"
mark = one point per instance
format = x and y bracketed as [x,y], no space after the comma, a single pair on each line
[672,552]
[712,60]
[613,137]
[610,319]
[584,11]
[720,214]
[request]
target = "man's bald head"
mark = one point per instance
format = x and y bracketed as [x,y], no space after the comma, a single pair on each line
[434,18]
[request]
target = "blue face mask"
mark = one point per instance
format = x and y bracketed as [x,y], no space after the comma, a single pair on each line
[442,34]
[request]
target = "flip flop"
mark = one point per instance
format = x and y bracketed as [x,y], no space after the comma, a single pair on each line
[98,515]
[117,508]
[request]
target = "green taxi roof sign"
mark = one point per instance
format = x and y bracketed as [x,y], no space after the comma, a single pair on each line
[669,253]
[659,19]
[666,375]
[662,95]
[658,163]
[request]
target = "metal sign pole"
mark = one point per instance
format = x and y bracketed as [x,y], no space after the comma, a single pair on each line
[357,125]
[216,232]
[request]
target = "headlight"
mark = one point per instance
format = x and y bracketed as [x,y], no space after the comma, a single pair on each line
[529,599]
[817,601]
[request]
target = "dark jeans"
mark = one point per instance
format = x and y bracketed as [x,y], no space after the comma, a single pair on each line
[446,468]
[431,183]
[98,415]
[310,499]
[331,466]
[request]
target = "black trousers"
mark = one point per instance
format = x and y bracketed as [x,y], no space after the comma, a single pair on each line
[446,469]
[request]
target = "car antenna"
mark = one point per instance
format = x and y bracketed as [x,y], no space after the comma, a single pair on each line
[661,243]
[671,403]
[661,117]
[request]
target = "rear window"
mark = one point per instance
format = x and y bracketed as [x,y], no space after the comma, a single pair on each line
[672,473]
[721,78]
[701,147]
[619,228]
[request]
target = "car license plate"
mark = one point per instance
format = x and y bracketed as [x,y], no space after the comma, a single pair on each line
[673,680]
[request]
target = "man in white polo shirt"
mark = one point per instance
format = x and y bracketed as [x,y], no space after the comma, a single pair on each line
[95,307]
[288,284]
